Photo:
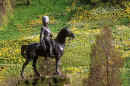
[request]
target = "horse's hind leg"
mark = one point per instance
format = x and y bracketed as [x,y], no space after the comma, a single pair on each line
[34,66]
[23,67]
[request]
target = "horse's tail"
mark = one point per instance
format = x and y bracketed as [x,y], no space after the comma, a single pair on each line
[24,50]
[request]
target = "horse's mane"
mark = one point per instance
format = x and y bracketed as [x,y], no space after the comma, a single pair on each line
[61,32]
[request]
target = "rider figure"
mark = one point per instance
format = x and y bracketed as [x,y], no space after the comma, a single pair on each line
[45,35]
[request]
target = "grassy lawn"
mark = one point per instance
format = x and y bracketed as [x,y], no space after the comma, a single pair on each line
[27,19]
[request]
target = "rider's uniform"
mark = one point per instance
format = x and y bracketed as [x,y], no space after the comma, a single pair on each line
[45,38]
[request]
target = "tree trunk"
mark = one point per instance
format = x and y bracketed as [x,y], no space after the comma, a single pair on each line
[5,10]
[28,2]
[2,6]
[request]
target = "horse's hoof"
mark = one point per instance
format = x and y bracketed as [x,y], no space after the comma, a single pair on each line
[26,82]
[38,75]
[22,77]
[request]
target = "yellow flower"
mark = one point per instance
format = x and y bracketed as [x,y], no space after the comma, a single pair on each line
[97,30]
[76,70]
[127,10]
[81,17]
[1,28]
[73,21]
[52,20]
[86,33]
[76,32]
[17,50]
[4,49]
[0,54]
[110,62]
[127,42]
[20,60]
[68,9]
[117,46]
[74,28]
[73,4]
[126,54]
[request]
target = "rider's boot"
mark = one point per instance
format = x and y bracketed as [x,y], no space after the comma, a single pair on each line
[51,52]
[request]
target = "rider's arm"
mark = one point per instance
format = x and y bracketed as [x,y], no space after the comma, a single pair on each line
[51,35]
[41,35]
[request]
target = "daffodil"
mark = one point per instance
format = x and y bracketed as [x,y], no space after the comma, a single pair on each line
[68,9]
[127,42]
[126,54]
[127,10]
[117,46]
[0,54]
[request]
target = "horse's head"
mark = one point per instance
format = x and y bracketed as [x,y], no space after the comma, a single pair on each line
[67,33]
[63,34]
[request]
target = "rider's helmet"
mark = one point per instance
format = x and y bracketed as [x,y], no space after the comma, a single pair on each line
[45,19]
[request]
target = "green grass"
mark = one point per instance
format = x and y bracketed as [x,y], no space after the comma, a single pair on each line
[23,14]
[126,73]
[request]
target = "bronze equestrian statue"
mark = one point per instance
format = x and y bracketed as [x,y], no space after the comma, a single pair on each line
[32,51]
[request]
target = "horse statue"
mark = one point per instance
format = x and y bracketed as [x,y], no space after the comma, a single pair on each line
[32,51]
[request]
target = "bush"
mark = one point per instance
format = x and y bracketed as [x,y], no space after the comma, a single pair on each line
[121,3]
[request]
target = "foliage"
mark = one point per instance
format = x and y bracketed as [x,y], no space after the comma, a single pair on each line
[116,3]
[10,56]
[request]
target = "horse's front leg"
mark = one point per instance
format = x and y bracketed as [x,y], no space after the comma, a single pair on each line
[23,67]
[57,65]
[34,66]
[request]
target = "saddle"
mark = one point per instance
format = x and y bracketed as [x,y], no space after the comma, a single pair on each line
[57,50]
[45,45]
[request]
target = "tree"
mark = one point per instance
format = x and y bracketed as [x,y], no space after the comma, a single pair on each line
[105,62]
[28,2]
[5,10]
[2,6]
[85,1]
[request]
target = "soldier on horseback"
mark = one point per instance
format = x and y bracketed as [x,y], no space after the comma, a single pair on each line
[46,35]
